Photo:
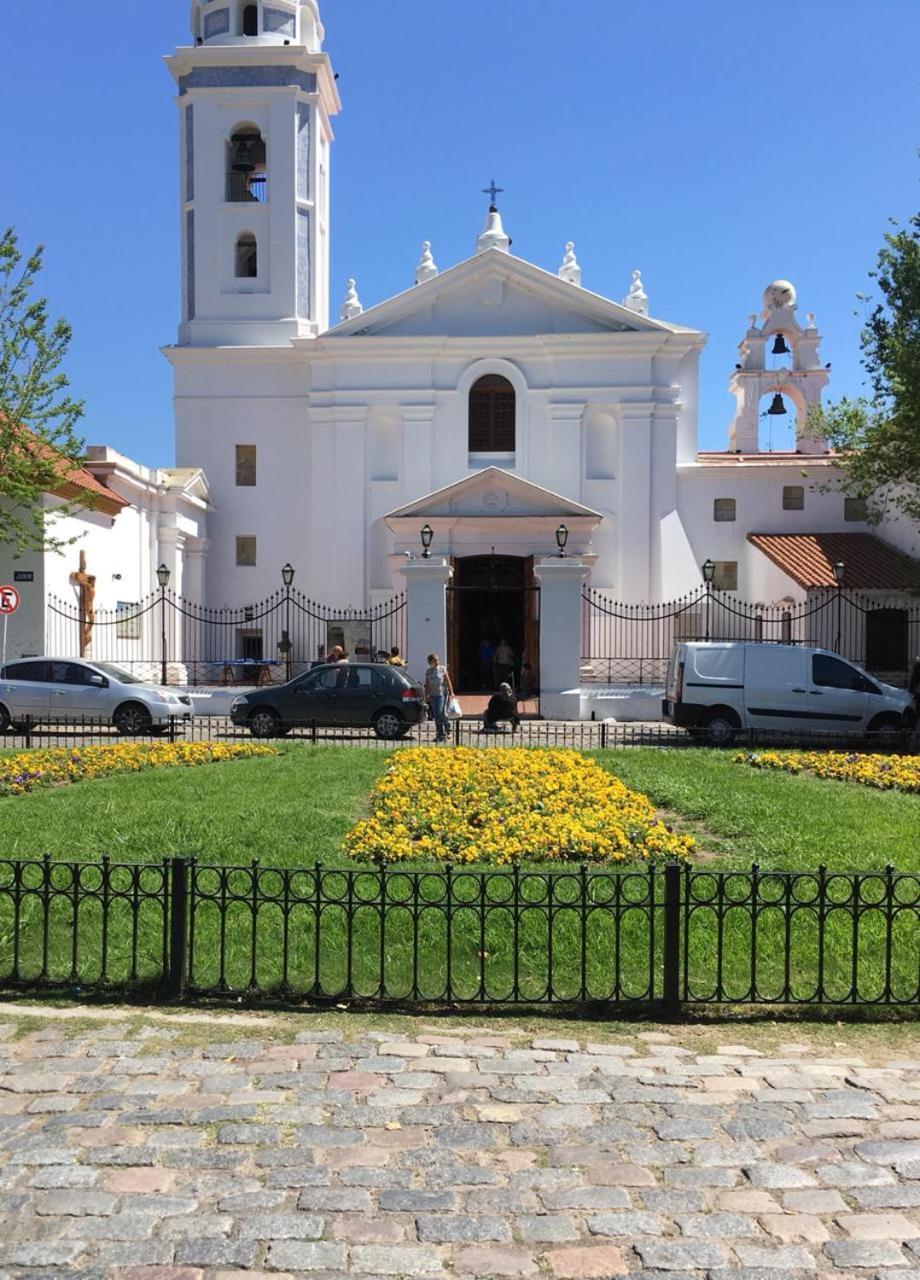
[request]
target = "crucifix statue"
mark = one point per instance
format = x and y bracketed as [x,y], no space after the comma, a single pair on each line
[87,584]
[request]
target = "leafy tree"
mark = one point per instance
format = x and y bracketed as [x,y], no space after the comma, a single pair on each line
[38,443]
[878,437]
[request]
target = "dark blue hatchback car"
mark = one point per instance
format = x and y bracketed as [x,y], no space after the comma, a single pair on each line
[347,695]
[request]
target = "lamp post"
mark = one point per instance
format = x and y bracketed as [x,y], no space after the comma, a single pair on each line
[163,576]
[709,572]
[840,573]
[562,538]
[427,536]
[286,646]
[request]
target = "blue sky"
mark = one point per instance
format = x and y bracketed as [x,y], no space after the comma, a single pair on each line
[716,145]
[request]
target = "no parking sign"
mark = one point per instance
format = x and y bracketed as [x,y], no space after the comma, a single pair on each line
[9,603]
[9,600]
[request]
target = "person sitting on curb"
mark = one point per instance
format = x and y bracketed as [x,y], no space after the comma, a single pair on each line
[502,706]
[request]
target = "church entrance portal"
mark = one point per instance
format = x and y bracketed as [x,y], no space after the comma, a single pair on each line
[493,598]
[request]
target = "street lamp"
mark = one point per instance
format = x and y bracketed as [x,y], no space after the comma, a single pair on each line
[163,576]
[840,573]
[427,536]
[709,572]
[562,538]
[286,647]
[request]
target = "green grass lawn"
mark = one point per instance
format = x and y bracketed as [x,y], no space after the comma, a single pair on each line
[294,810]
[778,820]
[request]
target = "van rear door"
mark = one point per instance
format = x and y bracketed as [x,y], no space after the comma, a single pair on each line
[776,681]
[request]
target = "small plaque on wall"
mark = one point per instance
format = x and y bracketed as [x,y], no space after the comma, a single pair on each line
[23,575]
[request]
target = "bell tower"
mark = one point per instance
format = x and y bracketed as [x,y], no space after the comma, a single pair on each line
[256,95]
[762,370]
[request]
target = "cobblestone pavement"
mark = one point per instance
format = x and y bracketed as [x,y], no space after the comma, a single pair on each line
[141,1156]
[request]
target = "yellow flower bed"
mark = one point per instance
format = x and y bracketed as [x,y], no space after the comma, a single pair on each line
[889,773]
[60,765]
[507,805]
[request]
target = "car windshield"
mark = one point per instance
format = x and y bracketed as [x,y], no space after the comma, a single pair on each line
[116,673]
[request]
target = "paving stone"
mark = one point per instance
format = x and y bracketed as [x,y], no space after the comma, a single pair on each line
[877,1226]
[409,1201]
[302,1256]
[716,1226]
[261,1135]
[63,1176]
[771,1176]
[668,1255]
[460,1228]
[486,1261]
[584,1198]
[887,1152]
[632,1224]
[865,1253]
[216,1253]
[119,1253]
[581,1262]
[792,1227]
[280,1226]
[75,1203]
[815,1201]
[892,1197]
[396,1260]
[778,1258]
[545,1229]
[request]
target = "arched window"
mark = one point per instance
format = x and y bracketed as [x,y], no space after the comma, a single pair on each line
[251,20]
[247,256]
[247,174]
[492,415]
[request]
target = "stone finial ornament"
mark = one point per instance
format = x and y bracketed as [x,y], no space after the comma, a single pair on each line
[427,268]
[777,295]
[351,307]
[570,270]
[637,299]
[493,234]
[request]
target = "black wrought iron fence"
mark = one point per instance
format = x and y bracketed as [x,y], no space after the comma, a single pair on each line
[168,638]
[648,937]
[632,644]
[579,735]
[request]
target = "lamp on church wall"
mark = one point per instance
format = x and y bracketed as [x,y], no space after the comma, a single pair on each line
[562,538]
[427,537]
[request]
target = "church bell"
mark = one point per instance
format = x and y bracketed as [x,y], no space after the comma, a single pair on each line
[242,158]
[779,346]
[777,407]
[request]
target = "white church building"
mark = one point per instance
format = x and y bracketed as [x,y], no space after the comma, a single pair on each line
[499,406]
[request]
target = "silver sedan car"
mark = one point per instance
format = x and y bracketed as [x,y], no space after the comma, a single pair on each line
[54,690]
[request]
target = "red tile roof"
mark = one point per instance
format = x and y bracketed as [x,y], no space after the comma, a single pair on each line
[76,483]
[808,558]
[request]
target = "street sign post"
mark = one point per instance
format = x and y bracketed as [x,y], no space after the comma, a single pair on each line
[9,603]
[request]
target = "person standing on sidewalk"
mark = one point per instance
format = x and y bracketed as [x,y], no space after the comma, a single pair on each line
[438,690]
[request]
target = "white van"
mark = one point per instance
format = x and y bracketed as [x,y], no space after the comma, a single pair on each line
[724,687]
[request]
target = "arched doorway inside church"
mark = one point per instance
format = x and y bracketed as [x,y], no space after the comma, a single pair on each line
[493,607]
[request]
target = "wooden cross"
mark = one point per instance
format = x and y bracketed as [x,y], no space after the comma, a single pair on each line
[87,584]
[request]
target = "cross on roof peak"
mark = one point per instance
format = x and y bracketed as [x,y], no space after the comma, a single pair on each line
[492,191]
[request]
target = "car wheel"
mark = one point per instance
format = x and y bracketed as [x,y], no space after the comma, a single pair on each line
[389,724]
[132,720]
[720,730]
[5,720]
[886,729]
[264,723]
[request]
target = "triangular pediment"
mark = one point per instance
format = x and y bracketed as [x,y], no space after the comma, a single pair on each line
[493,494]
[496,295]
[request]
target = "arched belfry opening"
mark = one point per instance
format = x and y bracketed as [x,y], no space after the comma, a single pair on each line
[246,164]
[492,415]
[246,265]
[250,24]
[778,380]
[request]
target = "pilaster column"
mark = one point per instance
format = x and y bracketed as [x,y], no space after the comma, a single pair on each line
[426,612]
[561,582]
